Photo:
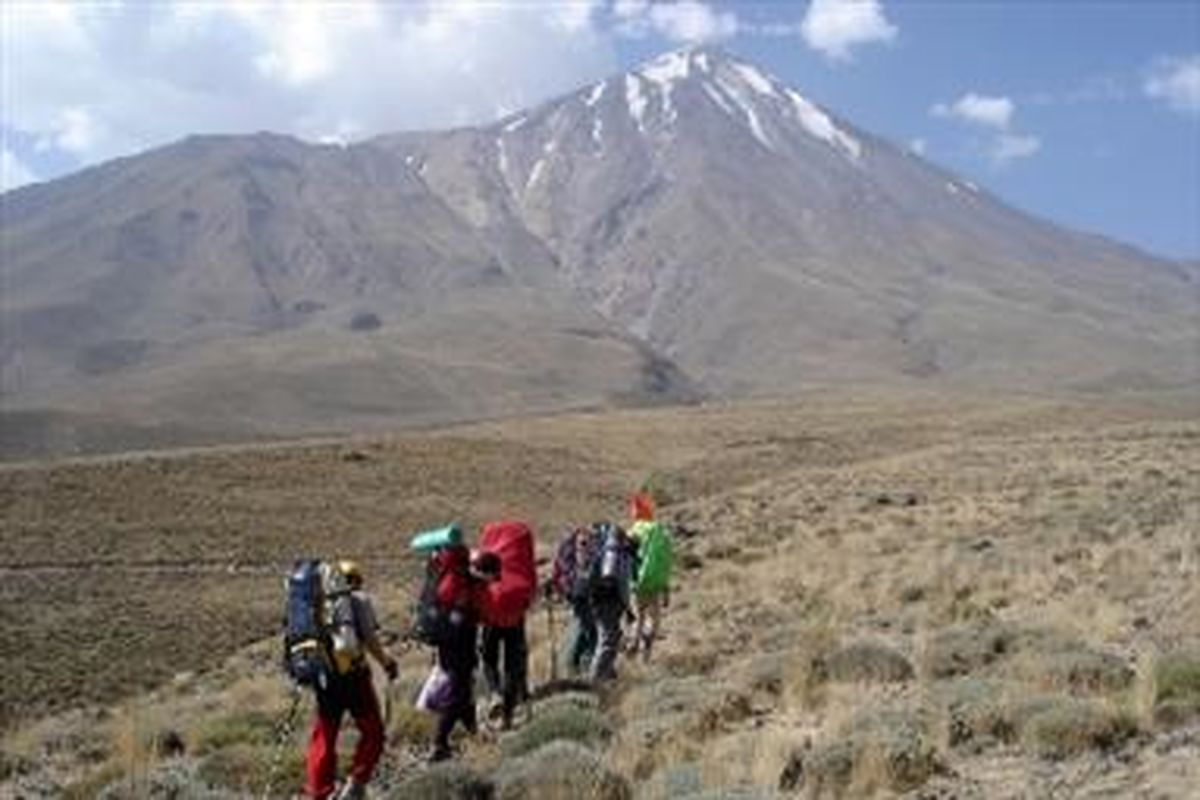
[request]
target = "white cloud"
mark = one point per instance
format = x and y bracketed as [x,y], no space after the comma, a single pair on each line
[576,15]
[1011,146]
[918,146]
[994,112]
[13,171]
[834,27]
[1176,82]
[92,81]
[688,21]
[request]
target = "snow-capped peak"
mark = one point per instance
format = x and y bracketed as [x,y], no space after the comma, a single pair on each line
[667,68]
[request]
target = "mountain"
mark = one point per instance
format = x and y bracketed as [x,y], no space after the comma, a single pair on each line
[693,227]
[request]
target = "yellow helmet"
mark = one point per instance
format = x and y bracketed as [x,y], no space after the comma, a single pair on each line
[351,571]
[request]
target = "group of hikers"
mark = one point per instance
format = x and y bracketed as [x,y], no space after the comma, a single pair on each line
[471,609]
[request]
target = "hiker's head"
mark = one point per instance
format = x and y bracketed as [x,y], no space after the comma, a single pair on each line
[352,572]
[641,506]
[485,565]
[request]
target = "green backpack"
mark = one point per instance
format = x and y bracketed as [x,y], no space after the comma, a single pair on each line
[655,556]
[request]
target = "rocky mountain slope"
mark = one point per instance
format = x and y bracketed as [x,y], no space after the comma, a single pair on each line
[692,227]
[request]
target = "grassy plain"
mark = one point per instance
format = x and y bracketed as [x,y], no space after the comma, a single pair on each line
[880,592]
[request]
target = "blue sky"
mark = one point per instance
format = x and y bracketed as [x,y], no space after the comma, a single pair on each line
[1087,113]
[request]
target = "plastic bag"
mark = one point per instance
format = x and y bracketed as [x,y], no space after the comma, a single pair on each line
[437,691]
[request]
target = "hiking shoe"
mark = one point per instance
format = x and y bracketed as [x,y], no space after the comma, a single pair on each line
[353,790]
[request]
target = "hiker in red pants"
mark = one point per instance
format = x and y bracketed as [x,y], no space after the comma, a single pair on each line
[349,690]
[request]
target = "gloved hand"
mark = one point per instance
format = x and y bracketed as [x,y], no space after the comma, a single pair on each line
[392,669]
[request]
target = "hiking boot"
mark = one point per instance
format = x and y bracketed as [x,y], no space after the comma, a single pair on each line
[440,754]
[353,790]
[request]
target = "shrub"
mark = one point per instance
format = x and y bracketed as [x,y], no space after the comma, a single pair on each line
[571,700]
[962,649]
[1177,688]
[246,768]
[1083,670]
[1058,727]
[255,728]
[448,781]
[365,321]
[582,725]
[559,770]
[410,725]
[976,713]
[885,750]
[865,662]
[175,780]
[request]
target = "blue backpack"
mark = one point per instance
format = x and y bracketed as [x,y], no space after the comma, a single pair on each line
[306,646]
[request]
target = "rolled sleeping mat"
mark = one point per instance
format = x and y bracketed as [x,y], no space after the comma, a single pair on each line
[437,538]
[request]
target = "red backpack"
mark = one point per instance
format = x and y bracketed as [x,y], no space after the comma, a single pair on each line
[505,601]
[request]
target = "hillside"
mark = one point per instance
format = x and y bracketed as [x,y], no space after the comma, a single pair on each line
[693,228]
[879,594]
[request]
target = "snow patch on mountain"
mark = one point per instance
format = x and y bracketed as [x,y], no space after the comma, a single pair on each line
[754,79]
[716,97]
[747,106]
[818,123]
[596,93]
[502,158]
[666,69]
[515,124]
[535,173]
[636,101]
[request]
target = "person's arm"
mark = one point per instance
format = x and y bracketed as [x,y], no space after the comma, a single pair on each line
[385,659]
[370,637]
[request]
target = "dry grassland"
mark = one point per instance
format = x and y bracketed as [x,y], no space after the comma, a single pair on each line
[879,593]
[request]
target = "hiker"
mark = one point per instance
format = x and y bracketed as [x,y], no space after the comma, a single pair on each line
[506,559]
[610,581]
[571,581]
[457,596]
[354,634]
[652,578]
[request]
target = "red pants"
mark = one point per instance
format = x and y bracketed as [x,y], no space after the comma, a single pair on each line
[353,693]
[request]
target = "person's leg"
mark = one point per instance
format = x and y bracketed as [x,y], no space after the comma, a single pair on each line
[489,652]
[454,712]
[640,605]
[608,624]
[321,758]
[368,720]
[652,611]
[514,670]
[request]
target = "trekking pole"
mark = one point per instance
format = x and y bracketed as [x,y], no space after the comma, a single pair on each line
[553,640]
[283,735]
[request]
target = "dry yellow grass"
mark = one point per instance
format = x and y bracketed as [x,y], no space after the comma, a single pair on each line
[879,518]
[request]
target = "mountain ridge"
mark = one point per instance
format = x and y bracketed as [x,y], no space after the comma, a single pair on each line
[701,221]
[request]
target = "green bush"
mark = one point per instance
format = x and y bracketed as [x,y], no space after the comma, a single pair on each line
[448,781]
[1177,688]
[254,728]
[884,750]
[573,701]
[585,726]
[410,725]
[246,768]
[1059,727]
[977,713]
[560,770]
[865,662]
[962,649]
